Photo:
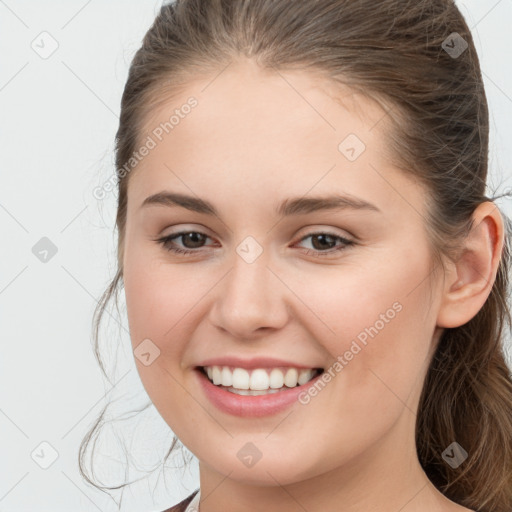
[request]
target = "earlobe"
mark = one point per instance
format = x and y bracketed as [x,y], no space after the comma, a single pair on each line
[469,282]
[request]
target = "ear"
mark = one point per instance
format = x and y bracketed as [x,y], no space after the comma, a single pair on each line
[470,279]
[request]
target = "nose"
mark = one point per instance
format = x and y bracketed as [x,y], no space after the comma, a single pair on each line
[251,302]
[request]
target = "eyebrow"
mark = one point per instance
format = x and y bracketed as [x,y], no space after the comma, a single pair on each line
[291,206]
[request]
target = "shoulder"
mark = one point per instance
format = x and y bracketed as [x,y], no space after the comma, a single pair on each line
[182,505]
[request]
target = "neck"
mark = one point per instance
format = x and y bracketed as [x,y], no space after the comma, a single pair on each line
[386,477]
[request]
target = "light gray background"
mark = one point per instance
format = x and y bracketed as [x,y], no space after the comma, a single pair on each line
[59,118]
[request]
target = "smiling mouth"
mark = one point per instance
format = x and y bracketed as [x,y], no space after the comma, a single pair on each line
[258,381]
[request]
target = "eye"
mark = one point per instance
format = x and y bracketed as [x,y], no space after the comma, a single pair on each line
[324,244]
[190,239]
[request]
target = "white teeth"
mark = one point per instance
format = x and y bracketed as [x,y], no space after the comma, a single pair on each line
[260,380]
[305,376]
[227,377]
[291,377]
[240,378]
[276,379]
[216,376]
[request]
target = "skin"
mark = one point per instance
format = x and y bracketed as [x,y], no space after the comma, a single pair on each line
[255,139]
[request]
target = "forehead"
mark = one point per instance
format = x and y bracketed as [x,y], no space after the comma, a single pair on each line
[263,132]
[244,95]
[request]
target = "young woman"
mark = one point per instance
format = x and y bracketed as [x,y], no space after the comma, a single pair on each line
[316,281]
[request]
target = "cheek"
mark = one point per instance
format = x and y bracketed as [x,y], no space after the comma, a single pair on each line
[159,303]
[157,296]
[164,304]
[383,324]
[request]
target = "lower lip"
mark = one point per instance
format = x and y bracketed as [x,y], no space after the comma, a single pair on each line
[251,406]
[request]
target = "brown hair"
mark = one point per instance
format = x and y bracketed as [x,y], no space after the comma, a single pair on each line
[396,52]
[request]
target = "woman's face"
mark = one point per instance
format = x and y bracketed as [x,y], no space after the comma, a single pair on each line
[276,280]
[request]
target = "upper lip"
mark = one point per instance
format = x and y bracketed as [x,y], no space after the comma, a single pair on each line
[253,363]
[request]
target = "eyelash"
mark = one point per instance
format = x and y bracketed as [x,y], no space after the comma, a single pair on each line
[167,240]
